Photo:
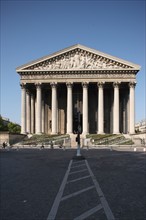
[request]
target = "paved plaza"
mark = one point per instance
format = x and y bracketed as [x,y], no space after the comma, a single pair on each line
[50,184]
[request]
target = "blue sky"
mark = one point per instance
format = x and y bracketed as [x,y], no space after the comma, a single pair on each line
[32,29]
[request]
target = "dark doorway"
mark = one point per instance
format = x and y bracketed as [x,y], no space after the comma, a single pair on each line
[77,107]
[77,121]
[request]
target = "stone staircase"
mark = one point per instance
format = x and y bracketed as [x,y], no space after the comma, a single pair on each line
[109,139]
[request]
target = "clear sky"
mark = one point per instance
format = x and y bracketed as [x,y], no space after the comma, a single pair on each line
[32,29]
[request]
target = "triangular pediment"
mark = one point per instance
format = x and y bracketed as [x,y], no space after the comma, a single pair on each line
[78,57]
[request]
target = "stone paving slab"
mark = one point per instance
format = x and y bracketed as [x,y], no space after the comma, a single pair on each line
[30,180]
[75,206]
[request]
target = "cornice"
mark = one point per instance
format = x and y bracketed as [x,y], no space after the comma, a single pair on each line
[71,71]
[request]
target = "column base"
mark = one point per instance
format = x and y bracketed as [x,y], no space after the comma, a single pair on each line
[69,133]
[84,134]
[53,133]
[116,132]
[38,133]
[23,132]
[132,133]
[100,132]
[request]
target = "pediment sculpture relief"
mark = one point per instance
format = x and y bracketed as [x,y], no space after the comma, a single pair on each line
[78,60]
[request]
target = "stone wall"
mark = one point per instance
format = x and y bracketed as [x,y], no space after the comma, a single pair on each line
[10,138]
[4,137]
[140,135]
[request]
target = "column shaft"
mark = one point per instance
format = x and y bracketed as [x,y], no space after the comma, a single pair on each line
[32,114]
[54,108]
[69,109]
[132,107]
[43,116]
[23,109]
[116,109]
[100,108]
[85,108]
[28,112]
[39,109]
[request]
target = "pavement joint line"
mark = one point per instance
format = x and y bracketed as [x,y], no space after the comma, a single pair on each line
[77,171]
[76,162]
[88,213]
[81,178]
[77,193]
[104,203]
[57,200]
[78,166]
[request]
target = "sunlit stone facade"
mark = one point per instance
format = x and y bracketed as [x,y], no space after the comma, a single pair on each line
[78,86]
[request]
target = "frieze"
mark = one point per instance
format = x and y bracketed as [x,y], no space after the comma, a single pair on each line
[78,60]
[75,76]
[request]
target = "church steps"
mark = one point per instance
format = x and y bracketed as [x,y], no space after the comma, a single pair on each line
[106,139]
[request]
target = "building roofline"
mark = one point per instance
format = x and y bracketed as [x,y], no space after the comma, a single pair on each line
[77,46]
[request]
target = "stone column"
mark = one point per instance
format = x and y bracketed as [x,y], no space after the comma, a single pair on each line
[43,116]
[116,108]
[54,108]
[100,108]
[85,107]
[69,109]
[28,116]
[124,114]
[132,107]
[23,108]
[38,109]
[32,114]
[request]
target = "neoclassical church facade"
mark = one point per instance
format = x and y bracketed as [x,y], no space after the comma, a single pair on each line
[78,88]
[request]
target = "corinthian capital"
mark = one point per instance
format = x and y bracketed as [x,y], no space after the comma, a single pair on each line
[23,85]
[38,85]
[116,84]
[85,84]
[27,92]
[100,84]
[53,84]
[69,84]
[132,84]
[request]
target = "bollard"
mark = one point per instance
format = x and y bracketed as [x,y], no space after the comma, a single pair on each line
[78,154]
[78,151]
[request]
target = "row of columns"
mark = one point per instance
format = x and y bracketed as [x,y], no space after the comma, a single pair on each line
[28,103]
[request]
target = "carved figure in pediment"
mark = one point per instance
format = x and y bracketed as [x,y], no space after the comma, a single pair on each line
[71,61]
[67,64]
[78,60]
[104,65]
[109,64]
[81,61]
[88,58]
[116,66]
[99,64]
[91,64]
[57,64]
